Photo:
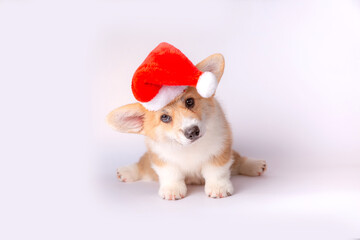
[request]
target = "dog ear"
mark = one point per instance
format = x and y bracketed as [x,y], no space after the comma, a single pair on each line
[214,63]
[128,118]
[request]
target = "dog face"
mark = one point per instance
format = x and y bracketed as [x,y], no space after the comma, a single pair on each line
[183,121]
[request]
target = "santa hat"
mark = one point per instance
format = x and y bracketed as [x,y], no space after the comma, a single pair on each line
[165,74]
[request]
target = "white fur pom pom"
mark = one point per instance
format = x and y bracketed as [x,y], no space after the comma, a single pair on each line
[164,96]
[207,84]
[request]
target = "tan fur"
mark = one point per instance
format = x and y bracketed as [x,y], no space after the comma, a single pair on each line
[120,116]
[151,122]
[176,109]
[244,166]
[214,63]
[144,166]
[226,155]
[238,162]
[134,118]
[154,159]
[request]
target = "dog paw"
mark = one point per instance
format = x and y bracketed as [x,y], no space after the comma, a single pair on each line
[128,173]
[219,189]
[253,167]
[173,191]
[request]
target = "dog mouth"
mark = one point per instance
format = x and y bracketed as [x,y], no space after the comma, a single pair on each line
[185,140]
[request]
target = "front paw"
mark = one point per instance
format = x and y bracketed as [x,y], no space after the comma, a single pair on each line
[219,189]
[173,191]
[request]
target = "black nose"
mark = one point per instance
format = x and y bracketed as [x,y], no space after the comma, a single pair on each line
[192,133]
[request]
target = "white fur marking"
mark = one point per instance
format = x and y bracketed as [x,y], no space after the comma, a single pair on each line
[172,182]
[129,173]
[217,180]
[165,95]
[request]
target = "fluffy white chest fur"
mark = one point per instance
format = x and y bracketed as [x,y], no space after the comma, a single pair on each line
[190,158]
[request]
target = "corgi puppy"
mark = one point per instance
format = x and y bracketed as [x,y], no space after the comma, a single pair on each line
[188,141]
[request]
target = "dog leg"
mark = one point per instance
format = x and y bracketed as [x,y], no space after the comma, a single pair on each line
[246,166]
[128,173]
[217,180]
[138,171]
[172,182]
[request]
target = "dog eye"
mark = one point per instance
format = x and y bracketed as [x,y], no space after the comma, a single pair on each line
[189,103]
[165,118]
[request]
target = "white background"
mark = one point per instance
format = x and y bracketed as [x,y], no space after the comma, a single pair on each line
[291,91]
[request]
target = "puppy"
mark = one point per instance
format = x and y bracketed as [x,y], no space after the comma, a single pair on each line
[188,141]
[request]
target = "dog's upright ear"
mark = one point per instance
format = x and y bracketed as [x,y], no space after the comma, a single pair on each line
[128,118]
[214,63]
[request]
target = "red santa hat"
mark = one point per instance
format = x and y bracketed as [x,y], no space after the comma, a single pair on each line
[165,74]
